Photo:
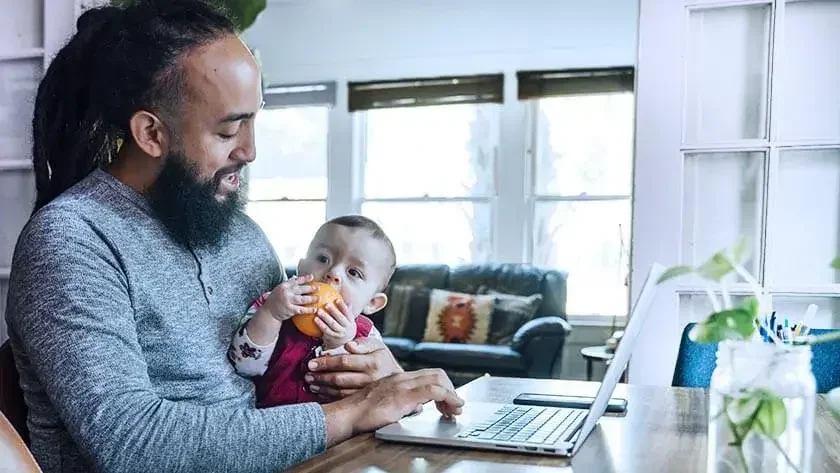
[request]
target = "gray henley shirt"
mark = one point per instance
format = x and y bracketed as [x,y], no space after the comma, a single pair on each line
[120,336]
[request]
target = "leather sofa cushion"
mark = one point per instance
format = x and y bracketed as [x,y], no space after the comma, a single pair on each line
[405,314]
[511,278]
[400,347]
[475,357]
[432,276]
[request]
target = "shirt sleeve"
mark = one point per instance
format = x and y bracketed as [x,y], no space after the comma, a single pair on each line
[72,318]
[248,358]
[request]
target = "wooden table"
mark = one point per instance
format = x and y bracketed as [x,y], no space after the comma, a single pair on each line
[664,430]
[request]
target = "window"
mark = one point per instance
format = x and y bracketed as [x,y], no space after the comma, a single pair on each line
[427,169]
[442,165]
[287,183]
[581,181]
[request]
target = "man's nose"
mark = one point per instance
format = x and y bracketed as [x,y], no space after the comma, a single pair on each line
[246,152]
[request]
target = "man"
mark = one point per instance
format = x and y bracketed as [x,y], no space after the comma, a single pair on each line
[137,263]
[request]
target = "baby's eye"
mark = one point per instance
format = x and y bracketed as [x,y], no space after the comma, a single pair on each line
[356,273]
[322,259]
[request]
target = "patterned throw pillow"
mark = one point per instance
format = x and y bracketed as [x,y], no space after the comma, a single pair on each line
[456,317]
[510,312]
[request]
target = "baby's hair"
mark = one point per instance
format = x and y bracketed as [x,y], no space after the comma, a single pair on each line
[376,231]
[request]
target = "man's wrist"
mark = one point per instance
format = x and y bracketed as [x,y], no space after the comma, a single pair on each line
[342,420]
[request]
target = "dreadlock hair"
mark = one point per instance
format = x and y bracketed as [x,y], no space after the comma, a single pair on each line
[121,60]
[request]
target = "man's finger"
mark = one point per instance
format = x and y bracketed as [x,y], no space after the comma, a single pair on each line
[338,380]
[342,363]
[329,394]
[433,392]
[363,346]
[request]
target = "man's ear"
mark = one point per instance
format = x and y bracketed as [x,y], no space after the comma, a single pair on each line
[376,303]
[149,133]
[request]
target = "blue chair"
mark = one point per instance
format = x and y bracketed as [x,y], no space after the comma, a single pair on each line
[696,362]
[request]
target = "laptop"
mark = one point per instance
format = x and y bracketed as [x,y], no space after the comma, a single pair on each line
[532,429]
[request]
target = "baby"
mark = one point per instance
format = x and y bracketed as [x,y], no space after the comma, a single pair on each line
[353,255]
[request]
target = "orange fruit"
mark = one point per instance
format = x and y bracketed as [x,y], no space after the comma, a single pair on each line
[326,294]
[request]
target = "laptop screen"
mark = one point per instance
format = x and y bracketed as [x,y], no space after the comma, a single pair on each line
[638,315]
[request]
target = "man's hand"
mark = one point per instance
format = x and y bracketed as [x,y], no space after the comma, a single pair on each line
[389,400]
[334,377]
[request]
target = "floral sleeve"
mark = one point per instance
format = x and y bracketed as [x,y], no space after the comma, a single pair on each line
[248,358]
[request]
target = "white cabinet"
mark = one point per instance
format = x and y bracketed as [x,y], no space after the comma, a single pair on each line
[738,133]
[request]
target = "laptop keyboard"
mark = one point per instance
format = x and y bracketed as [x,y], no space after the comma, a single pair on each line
[532,424]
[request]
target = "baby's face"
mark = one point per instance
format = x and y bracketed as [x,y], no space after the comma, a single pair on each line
[352,261]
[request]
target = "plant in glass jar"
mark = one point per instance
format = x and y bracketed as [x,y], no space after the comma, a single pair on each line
[762,393]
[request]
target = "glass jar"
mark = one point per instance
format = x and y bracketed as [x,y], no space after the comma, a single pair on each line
[762,400]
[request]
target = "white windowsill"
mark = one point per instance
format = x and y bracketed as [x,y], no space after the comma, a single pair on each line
[596,321]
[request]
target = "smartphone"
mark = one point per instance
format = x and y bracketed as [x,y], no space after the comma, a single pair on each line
[574,402]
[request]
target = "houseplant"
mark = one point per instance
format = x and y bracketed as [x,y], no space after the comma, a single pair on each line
[762,395]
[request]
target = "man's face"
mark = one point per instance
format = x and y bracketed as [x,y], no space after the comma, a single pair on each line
[222,97]
[197,192]
[352,261]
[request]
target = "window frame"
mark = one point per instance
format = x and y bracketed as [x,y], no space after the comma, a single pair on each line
[299,95]
[511,202]
[534,198]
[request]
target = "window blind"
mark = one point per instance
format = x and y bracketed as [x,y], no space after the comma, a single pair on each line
[291,95]
[486,88]
[538,84]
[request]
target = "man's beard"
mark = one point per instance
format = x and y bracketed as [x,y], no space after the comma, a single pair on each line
[188,207]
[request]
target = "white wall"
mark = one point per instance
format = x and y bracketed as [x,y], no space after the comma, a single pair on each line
[375,39]
[314,40]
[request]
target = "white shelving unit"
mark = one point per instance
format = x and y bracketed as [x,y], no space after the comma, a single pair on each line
[31,32]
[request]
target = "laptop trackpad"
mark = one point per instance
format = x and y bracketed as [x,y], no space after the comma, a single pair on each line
[430,423]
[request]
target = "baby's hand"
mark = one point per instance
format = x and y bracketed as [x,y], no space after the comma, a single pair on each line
[288,298]
[337,324]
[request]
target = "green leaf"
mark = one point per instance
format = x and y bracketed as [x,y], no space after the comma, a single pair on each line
[674,272]
[836,263]
[731,324]
[771,418]
[741,410]
[243,12]
[740,250]
[716,267]
[751,305]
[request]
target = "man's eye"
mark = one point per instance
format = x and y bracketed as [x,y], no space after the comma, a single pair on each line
[228,135]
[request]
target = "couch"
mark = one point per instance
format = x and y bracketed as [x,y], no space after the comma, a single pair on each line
[533,349]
